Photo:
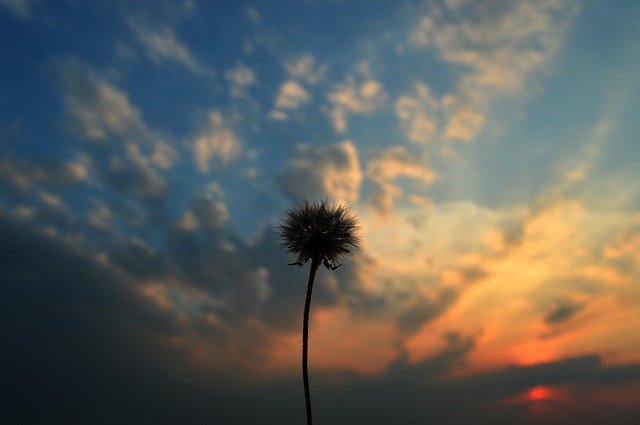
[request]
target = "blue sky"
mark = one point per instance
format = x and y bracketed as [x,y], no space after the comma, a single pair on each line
[490,149]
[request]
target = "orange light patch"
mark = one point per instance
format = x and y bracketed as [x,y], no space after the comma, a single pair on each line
[539,393]
[338,340]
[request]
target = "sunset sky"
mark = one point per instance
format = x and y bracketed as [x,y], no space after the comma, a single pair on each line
[490,148]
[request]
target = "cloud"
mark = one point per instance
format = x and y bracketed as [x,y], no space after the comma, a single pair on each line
[332,170]
[139,259]
[22,175]
[206,211]
[291,95]
[464,121]
[355,96]
[562,312]
[211,308]
[161,43]
[100,216]
[543,298]
[217,143]
[391,164]
[342,341]
[418,114]
[498,48]
[131,155]
[240,78]
[22,9]
[306,69]
[135,178]
[99,111]
[495,51]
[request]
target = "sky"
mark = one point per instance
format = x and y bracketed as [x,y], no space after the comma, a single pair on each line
[490,149]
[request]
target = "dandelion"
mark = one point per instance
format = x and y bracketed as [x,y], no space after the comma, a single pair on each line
[323,234]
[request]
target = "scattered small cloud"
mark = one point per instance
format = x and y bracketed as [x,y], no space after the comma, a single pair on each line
[217,143]
[306,69]
[253,14]
[22,175]
[418,114]
[355,96]
[162,44]
[100,112]
[464,121]
[240,78]
[291,96]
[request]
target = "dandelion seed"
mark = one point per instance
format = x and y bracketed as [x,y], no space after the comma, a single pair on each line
[323,234]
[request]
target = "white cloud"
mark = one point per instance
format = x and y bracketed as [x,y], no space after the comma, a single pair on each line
[161,44]
[502,47]
[391,164]
[418,114]
[23,175]
[240,78]
[464,121]
[216,144]
[291,95]
[353,96]
[497,49]
[306,69]
[52,201]
[358,97]
[98,111]
[332,170]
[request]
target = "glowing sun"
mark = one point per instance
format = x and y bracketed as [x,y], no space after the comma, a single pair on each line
[538,393]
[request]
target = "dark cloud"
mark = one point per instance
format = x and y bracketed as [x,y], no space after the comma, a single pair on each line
[562,312]
[20,175]
[136,179]
[138,258]
[81,346]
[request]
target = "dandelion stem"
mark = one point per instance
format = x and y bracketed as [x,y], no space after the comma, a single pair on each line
[315,262]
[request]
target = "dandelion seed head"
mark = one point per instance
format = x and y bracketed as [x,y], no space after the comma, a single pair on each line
[319,229]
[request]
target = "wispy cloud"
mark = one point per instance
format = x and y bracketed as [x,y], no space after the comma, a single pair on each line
[305,68]
[494,50]
[100,112]
[22,9]
[161,44]
[391,164]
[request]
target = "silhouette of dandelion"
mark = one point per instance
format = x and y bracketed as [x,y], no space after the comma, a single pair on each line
[323,234]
